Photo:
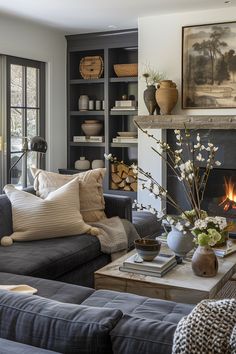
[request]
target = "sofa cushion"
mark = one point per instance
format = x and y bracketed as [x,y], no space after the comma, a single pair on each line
[139,306]
[49,258]
[148,325]
[56,216]
[9,347]
[51,289]
[146,223]
[56,326]
[92,203]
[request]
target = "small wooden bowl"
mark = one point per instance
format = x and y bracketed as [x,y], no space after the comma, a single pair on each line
[147,249]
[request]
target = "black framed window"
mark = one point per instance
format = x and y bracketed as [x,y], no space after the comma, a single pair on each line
[25,115]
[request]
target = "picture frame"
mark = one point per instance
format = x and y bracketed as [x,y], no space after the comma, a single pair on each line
[209,66]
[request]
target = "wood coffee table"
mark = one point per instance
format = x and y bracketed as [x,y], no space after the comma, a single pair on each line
[179,284]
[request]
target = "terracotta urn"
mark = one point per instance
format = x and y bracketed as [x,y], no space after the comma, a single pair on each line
[166,96]
[204,262]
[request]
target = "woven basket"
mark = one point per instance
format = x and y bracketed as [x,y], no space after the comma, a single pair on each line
[123,70]
[91,67]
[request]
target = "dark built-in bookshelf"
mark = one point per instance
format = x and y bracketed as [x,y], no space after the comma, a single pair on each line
[117,47]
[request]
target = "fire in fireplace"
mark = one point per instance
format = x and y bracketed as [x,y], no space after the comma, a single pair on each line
[229,200]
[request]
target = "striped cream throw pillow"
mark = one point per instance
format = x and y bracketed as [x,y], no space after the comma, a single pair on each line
[92,203]
[57,215]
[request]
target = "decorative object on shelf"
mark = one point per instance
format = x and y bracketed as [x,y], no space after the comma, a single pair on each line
[128,134]
[126,137]
[83,103]
[91,127]
[91,67]
[98,105]
[147,249]
[91,105]
[152,78]
[179,242]
[149,96]
[166,96]
[82,164]
[125,104]
[208,66]
[88,139]
[103,105]
[125,70]
[97,164]
[204,262]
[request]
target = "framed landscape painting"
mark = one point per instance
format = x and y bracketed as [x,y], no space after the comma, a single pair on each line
[209,66]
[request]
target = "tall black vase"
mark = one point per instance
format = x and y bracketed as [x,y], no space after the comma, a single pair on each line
[150,100]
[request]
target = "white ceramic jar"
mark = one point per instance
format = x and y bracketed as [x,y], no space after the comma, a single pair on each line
[82,164]
[97,164]
[83,103]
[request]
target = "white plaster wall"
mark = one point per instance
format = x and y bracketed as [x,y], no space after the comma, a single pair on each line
[31,41]
[160,46]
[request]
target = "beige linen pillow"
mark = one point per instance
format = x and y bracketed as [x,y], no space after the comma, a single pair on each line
[55,216]
[92,203]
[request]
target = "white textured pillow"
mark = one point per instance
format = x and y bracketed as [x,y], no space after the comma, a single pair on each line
[92,203]
[55,216]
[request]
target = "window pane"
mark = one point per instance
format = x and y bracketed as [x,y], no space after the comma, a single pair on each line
[32,85]
[16,129]
[16,172]
[32,122]
[16,85]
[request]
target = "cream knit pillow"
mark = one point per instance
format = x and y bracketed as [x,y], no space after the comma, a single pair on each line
[57,215]
[92,203]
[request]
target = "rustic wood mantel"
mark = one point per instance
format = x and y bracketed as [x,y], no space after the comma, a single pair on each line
[190,122]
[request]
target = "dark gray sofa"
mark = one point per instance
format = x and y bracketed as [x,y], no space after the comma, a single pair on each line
[70,259]
[74,319]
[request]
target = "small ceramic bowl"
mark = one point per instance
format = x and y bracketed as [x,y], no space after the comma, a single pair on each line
[147,249]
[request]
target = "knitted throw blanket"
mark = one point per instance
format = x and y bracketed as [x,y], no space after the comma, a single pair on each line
[209,329]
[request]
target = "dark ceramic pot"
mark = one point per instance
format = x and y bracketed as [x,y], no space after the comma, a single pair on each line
[149,96]
[147,249]
[204,262]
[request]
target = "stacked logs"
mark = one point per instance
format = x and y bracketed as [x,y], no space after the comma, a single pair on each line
[123,178]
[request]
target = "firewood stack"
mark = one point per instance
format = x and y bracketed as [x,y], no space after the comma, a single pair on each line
[123,178]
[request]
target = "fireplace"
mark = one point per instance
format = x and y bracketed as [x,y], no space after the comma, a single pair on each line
[220,194]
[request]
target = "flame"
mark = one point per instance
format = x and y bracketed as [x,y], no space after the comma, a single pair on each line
[229,190]
[229,200]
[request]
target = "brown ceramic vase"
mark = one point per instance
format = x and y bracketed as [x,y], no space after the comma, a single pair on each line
[204,262]
[166,96]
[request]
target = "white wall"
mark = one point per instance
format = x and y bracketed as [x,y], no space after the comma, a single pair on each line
[31,41]
[160,46]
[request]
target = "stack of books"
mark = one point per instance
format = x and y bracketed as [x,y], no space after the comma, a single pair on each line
[125,105]
[88,139]
[156,268]
[225,250]
[125,140]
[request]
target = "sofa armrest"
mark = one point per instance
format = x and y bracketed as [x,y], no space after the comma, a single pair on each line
[118,205]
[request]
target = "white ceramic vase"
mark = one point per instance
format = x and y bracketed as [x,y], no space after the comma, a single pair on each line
[97,164]
[179,242]
[82,164]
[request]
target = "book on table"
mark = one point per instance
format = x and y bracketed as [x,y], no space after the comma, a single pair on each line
[158,267]
[224,251]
